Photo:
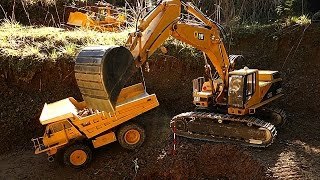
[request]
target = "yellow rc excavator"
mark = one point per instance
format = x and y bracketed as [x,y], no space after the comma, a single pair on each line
[230,107]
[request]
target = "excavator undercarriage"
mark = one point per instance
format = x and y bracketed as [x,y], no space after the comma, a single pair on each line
[245,130]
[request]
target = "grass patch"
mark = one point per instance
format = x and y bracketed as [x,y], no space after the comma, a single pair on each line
[31,45]
[49,44]
[38,44]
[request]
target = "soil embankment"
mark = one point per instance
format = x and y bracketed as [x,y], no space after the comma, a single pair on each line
[294,52]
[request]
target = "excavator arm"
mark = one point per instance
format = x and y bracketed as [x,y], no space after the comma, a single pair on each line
[205,37]
[164,21]
[153,30]
[207,41]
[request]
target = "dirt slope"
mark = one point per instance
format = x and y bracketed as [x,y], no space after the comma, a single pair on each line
[295,153]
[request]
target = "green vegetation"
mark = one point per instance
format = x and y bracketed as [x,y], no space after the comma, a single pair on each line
[48,43]
[41,44]
[18,42]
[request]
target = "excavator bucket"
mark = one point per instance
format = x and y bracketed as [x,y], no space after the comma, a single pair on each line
[101,72]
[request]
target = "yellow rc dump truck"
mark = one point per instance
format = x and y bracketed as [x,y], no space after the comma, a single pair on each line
[73,129]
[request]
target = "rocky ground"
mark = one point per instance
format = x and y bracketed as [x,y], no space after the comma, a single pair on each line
[295,154]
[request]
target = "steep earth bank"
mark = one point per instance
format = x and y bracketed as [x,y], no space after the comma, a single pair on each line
[293,51]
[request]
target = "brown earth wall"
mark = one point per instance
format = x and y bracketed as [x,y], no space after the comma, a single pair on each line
[24,88]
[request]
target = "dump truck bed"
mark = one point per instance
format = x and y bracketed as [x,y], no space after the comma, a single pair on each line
[100,122]
[132,101]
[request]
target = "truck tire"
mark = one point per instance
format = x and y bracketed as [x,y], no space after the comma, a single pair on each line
[77,156]
[131,136]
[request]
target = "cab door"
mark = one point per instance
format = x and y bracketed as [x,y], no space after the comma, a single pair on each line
[55,135]
[235,91]
[250,86]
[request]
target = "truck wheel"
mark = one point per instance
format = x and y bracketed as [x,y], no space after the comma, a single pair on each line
[77,156]
[131,136]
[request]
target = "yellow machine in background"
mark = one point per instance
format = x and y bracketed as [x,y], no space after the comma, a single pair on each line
[72,128]
[100,17]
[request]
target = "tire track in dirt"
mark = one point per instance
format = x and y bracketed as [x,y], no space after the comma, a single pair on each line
[287,166]
[291,159]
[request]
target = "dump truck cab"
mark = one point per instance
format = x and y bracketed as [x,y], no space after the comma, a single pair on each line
[59,129]
[60,133]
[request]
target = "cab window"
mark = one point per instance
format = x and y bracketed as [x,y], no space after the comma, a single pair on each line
[59,126]
[56,127]
[251,79]
[236,91]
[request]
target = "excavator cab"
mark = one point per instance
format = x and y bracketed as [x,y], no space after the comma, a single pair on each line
[242,86]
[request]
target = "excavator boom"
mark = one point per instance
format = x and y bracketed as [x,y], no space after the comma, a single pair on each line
[164,21]
[207,41]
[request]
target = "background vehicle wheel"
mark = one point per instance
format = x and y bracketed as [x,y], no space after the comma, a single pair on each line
[77,156]
[131,136]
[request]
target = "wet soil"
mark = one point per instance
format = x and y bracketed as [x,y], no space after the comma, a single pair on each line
[295,154]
